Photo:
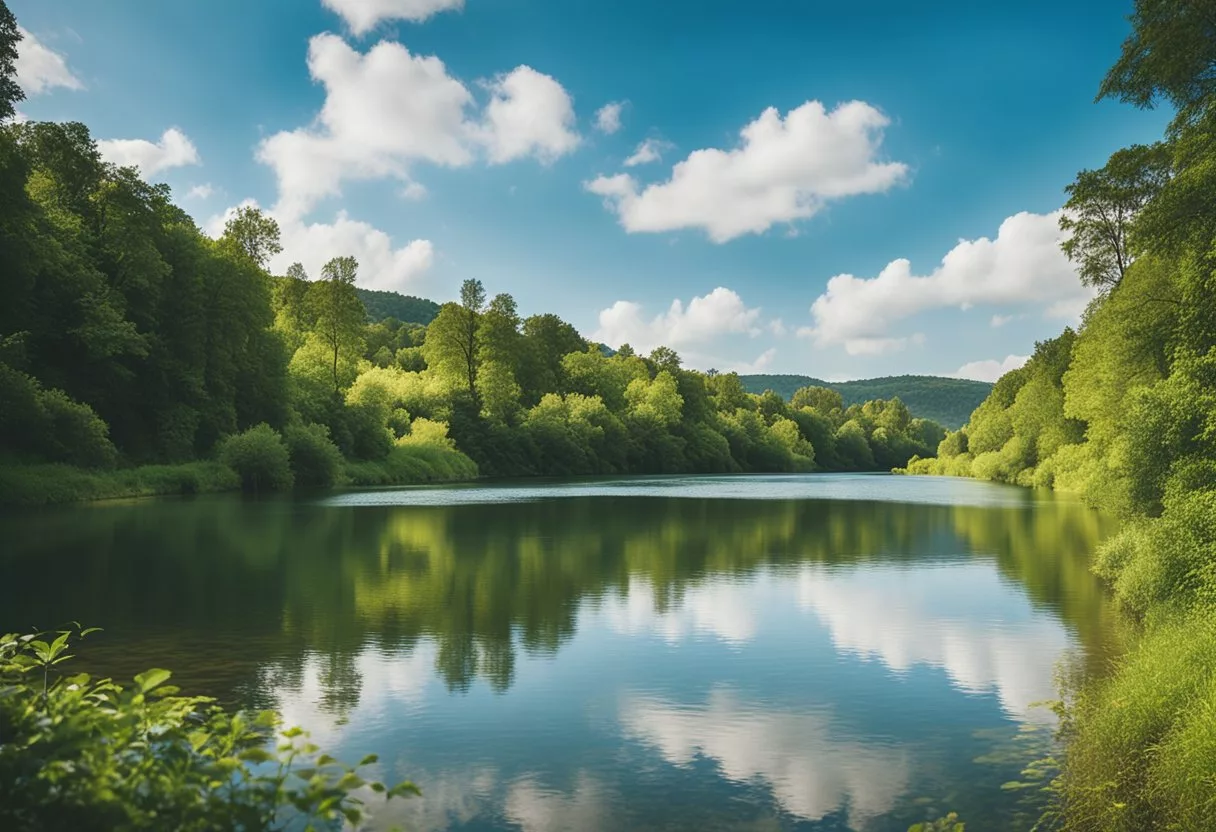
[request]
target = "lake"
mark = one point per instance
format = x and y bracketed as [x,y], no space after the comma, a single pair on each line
[818,652]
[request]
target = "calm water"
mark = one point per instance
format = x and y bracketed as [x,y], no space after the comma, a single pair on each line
[819,652]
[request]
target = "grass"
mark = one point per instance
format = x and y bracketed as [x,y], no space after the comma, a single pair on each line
[34,485]
[1142,743]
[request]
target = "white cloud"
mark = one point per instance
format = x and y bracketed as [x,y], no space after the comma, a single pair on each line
[414,191]
[382,110]
[312,244]
[1023,265]
[812,767]
[387,109]
[200,191]
[363,15]
[784,170]
[173,150]
[762,363]
[40,68]
[872,346]
[649,150]
[777,327]
[530,114]
[1001,320]
[991,369]
[608,117]
[720,312]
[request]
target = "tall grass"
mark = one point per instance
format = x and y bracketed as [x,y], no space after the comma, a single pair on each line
[33,485]
[1142,743]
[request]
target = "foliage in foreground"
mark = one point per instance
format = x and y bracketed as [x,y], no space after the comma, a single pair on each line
[87,754]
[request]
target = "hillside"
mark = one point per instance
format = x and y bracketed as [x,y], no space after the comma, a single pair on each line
[948,401]
[405,308]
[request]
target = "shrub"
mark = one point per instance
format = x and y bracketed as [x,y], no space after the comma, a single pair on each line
[89,754]
[51,426]
[315,459]
[259,457]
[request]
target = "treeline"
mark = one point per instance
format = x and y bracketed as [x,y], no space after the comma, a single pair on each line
[1123,412]
[131,341]
[948,401]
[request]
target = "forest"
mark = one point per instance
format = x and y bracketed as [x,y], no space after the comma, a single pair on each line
[140,356]
[1122,412]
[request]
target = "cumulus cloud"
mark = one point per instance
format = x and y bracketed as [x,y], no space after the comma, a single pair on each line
[812,767]
[1001,320]
[173,150]
[991,369]
[382,110]
[200,191]
[649,150]
[785,169]
[363,15]
[872,346]
[608,117]
[387,108]
[382,265]
[720,312]
[39,68]
[1022,265]
[530,114]
[763,362]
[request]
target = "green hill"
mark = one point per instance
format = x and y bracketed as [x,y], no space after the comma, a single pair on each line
[405,308]
[948,401]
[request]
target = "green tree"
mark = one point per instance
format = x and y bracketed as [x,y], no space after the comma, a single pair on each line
[1102,207]
[10,91]
[337,310]
[824,400]
[255,233]
[1170,55]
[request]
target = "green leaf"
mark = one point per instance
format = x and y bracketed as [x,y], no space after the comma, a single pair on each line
[150,679]
[370,759]
[256,755]
[88,630]
[406,789]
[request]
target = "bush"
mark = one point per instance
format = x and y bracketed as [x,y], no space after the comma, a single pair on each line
[259,457]
[315,459]
[413,463]
[89,754]
[51,426]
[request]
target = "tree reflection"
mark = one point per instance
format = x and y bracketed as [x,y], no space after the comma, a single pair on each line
[221,587]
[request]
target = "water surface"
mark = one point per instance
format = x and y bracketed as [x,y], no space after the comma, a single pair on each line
[821,652]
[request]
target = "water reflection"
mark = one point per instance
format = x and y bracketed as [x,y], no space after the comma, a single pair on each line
[609,658]
[812,767]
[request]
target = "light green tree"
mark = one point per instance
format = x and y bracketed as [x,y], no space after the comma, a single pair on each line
[338,312]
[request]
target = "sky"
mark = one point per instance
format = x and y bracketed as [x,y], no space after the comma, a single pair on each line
[842,190]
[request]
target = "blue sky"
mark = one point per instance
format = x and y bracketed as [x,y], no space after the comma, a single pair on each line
[438,140]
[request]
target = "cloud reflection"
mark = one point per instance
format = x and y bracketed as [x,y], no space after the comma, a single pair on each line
[960,617]
[811,768]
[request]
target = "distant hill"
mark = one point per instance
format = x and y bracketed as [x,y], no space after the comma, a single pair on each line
[948,401]
[405,308]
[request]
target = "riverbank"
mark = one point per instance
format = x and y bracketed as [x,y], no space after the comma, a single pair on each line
[56,484]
